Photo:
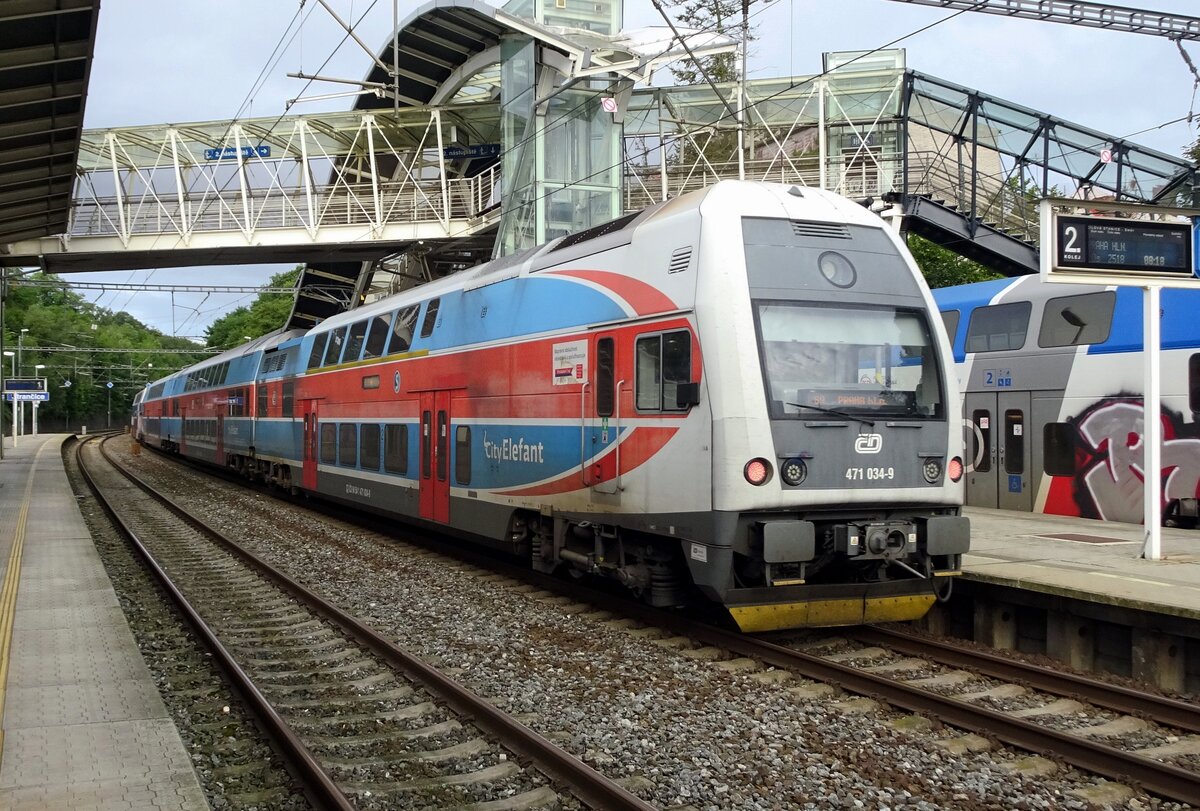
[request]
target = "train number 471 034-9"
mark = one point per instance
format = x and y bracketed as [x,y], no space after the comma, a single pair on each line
[870,473]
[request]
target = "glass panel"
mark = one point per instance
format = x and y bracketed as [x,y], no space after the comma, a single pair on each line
[430,318]
[333,352]
[377,338]
[1194,383]
[328,443]
[649,381]
[981,441]
[347,444]
[1076,320]
[368,446]
[443,444]
[1058,449]
[426,443]
[395,449]
[950,322]
[604,377]
[676,367]
[354,344]
[289,394]
[318,350]
[877,361]
[1014,441]
[462,454]
[402,329]
[999,327]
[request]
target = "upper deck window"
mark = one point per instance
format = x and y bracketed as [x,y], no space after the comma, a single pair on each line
[998,327]
[1077,320]
[950,319]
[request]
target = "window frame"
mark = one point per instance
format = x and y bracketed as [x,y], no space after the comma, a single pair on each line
[1027,306]
[1109,295]
[347,430]
[662,381]
[365,444]
[400,453]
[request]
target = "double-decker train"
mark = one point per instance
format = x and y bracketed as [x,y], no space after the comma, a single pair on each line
[1052,377]
[741,392]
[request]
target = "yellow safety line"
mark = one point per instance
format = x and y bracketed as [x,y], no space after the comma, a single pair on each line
[8,593]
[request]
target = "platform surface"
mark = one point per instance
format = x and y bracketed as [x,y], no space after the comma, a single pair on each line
[83,724]
[1085,559]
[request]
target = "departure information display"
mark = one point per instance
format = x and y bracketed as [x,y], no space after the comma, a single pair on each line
[1131,246]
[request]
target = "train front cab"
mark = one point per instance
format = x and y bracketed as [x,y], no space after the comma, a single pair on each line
[840,490]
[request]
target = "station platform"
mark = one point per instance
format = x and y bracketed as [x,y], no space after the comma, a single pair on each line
[1085,559]
[81,721]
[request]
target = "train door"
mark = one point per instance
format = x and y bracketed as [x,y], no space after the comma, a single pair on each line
[435,456]
[998,442]
[605,419]
[308,476]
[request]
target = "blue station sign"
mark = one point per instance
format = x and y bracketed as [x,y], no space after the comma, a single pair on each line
[229,152]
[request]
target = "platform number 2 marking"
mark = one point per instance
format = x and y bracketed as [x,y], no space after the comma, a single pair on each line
[997,378]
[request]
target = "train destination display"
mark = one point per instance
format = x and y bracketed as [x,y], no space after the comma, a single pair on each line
[1134,247]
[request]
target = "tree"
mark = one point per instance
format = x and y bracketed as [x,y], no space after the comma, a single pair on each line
[944,268]
[717,16]
[268,312]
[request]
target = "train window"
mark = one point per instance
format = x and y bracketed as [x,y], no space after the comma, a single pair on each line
[395,449]
[426,453]
[347,444]
[328,443]
[260,410]
[663,362]
[1058,448]
[1194,383]
[443,445]
[605,373]
[333,351]
[950,322]
[377,337]
[1077,320]
[354,343]
[289,397]
[981,440]
[402,329]
[431,312]
[175,408]
[318,350]
[998,327]
[1014,441]
[368,446]
[462,454]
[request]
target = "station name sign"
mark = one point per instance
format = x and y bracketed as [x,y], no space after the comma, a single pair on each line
[226,153]
[1130,246]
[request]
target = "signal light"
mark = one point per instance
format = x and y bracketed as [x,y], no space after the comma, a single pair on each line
[757,471]
[955,469]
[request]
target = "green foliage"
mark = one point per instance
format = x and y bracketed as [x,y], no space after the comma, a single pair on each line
[266,313]
[944,268]
[62,332]
[719,16]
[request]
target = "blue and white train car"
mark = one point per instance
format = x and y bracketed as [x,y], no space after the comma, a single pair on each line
[1052,378]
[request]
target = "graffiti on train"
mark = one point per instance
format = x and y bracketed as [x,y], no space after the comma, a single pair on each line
[1108,461]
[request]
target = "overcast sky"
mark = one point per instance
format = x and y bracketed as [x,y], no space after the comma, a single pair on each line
[185,60]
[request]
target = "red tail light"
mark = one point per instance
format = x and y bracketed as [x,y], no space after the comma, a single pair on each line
[757,471]
[955,469]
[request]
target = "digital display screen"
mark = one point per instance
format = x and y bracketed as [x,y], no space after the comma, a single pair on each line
[17,384]
[1161,248]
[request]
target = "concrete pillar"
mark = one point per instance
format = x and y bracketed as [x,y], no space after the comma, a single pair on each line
[996,624]
[1159,659]
[1069,639]
[935,621]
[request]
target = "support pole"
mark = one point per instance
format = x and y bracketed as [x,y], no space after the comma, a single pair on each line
[1152,425]
[35,410]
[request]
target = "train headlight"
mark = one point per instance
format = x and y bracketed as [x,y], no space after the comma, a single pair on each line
[955,469]
[757,471]
[794,472]
[932,470]
[837,269]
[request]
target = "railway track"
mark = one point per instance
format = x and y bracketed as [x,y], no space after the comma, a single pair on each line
[884,666]
[360,722]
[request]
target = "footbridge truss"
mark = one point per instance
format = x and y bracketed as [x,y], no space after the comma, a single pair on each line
[348,186]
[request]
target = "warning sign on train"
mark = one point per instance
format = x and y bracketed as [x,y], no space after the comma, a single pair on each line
[570,363]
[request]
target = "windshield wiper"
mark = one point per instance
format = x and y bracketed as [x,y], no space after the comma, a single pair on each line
[835,413]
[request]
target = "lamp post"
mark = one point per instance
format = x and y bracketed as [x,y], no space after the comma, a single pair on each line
[20,370]
[36,369]
[13,355]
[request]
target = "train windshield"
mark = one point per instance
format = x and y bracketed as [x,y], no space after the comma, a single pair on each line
[869,361]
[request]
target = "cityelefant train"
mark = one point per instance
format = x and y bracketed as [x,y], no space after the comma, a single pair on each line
[741,392]
[1052,377]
